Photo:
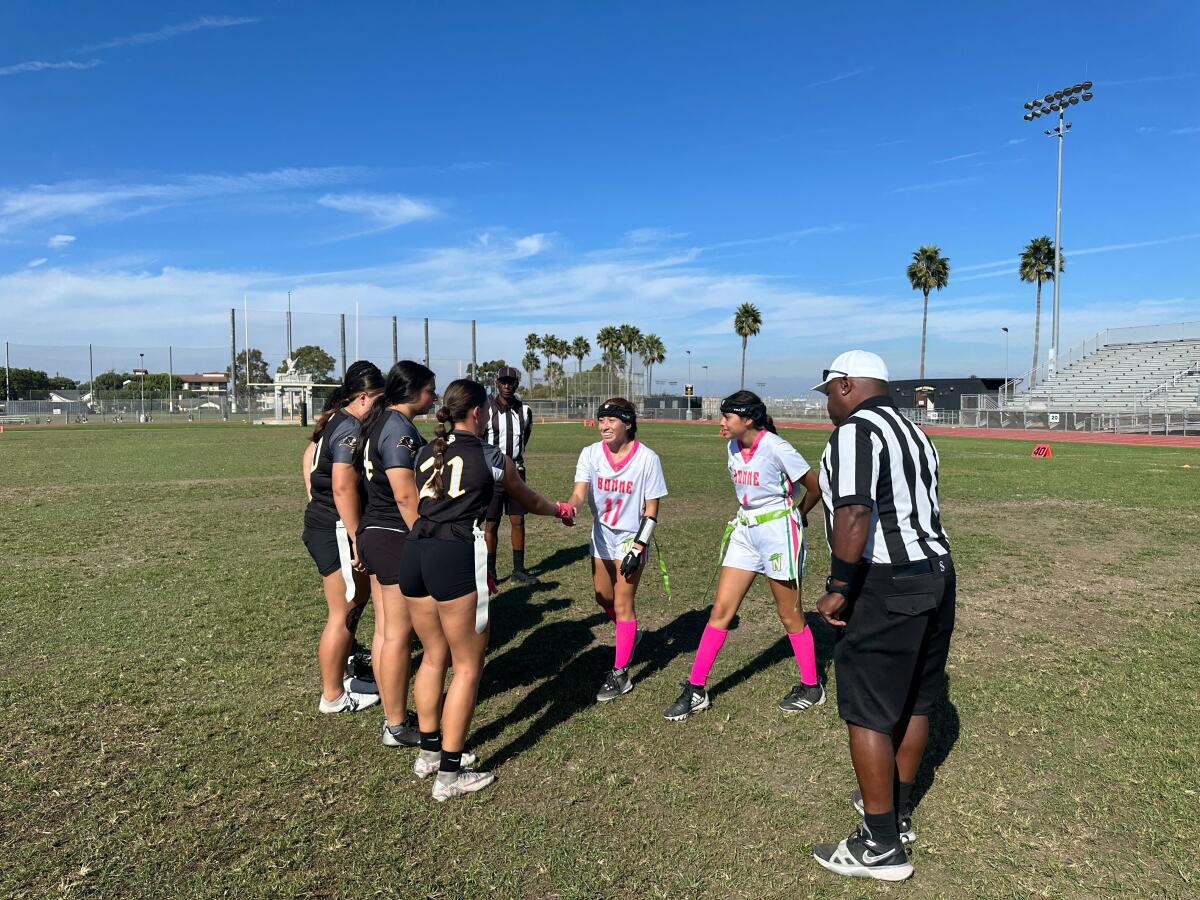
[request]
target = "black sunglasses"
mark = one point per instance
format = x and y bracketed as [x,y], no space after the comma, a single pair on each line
[825,374]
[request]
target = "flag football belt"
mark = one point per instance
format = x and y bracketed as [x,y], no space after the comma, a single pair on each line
[749,520]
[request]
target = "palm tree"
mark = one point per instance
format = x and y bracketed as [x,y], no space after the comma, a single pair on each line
[531,364]
[653,353]
[579,349]
[1037,264]
[533,343]
[608,339]
[613,360]
[546,344]
[747,322]
[631,342]
[928,270]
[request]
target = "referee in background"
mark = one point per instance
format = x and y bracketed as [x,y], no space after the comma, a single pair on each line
[891,595]
[509,423]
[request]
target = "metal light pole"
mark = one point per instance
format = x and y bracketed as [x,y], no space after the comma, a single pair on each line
[1007,383]
[705,368]
[142,388]
[689,353]
[1057,102]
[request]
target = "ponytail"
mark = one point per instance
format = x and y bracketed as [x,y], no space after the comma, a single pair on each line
[461,397]
[769,425]
[748,405]
[361,377]
[378,406]
[335,401]
[404,383]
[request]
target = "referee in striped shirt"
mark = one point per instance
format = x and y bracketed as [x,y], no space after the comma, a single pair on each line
[891,595]
[509,423]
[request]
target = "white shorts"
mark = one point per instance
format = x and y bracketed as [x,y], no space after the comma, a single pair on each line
[775,549]
[610,544]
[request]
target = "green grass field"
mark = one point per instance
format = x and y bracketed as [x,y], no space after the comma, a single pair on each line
[159,693]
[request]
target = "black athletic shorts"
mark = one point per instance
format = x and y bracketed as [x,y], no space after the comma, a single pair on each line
[891,656]
[379,551]
[435,567]
[502,503]
[322,547]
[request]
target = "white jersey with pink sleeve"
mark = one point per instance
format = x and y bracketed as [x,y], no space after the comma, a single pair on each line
[763,473]
[618,491]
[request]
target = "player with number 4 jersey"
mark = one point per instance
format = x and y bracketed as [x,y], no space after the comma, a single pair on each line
[622,481]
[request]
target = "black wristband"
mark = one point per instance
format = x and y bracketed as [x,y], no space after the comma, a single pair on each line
[842,570]
[831,588]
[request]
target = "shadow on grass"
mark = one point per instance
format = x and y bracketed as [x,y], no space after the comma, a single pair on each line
[564,556]
[944,729]
[541,655]
[516,610]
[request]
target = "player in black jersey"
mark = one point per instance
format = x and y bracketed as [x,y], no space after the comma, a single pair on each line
[443,573]
[386,456]
[330,522]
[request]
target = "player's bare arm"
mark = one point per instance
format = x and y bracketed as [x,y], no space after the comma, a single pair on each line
[534,502]
[404,489]
[812,492]
[306,464]
[345,498]
[850,527]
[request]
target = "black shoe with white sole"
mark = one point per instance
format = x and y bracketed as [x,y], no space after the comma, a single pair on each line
[802,696]
[406,734]
[520,576]
[692,700]
[904,824]
[616,684]
[860,856]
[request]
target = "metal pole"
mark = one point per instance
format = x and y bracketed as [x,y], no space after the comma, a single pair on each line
[474,361]
[357,354]
[395,345]
[343,332]
[91,375]
[232,360]
[142,389]
[6,373]
[170,379]
[426,343]
[246,349]
[289,325]
[1057,249]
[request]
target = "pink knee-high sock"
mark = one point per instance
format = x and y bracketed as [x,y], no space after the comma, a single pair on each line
[626,635]
[806,655]
[706,654]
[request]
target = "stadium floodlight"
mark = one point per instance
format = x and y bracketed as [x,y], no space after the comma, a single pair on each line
[1058,101]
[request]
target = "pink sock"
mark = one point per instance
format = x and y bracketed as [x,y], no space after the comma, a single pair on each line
[806,655]
[611,612]
[626,635]
[706,655]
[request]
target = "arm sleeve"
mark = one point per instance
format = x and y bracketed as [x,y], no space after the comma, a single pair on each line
[656,484]
[854,466]
[792,462]
[584,470]
[494,458]
[396,448]
[341,447]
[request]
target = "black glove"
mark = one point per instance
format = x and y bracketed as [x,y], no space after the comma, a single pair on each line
[633,560]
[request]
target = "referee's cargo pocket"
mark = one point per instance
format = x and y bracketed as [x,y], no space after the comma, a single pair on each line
[912,596]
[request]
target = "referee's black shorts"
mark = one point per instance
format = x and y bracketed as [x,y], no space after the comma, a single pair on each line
[379,551]
[503,504]
[891,656]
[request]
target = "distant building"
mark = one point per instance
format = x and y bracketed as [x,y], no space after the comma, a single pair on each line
[944,393]
[207,382]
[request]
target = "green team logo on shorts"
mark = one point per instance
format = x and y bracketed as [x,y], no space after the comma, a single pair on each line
[776,562]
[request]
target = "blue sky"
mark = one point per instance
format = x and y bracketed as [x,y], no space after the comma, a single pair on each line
[555,167]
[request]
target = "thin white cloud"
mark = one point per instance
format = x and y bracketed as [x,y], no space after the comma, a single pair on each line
[958,157]
[530,245]
[167,32]
[653,235]
[1148,79]
[40,203]
[59,241]
[853,73]
[1012,141]
[37,65]
[385,210]
[935,185]
[34,263]
[1187,129]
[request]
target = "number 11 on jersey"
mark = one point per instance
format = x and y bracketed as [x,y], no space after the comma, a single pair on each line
[612,511]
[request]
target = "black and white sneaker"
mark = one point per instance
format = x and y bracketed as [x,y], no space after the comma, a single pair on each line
[406,734]
[692,700]
[802,696]
[360,677]
[616,684]
[521,576]
[904,824]
[348,702]
[859,856]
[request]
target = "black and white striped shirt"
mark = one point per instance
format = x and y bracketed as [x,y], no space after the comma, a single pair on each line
[509,427]
[878,458]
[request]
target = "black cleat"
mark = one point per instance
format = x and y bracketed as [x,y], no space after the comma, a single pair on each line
[802,696]
[521,576]
[406,734]
[860,856]
[692,700]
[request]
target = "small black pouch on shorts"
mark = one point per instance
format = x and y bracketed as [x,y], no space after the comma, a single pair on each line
[912,595]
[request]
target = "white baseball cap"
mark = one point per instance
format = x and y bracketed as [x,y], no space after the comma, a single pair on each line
[853,364]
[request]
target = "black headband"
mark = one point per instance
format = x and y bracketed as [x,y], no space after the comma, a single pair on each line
[628,416]
[753,411]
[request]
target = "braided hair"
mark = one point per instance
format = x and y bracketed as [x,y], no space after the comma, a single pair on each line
[748,405]
[460,398]
[405,381]
[360,377]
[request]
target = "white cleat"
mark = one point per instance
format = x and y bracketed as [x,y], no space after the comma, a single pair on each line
[465,783]
[348,702]
[428,761]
